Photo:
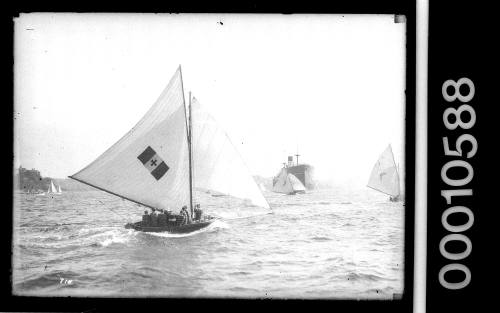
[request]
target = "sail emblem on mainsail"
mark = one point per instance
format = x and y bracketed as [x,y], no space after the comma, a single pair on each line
[152,161]
[174,145]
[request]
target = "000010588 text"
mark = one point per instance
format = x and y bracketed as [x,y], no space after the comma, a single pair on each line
[456,230]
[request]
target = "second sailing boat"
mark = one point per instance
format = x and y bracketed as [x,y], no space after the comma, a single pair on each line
[385,176]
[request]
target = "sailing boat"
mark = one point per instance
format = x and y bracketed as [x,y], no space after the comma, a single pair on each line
[52,189]
[154,164]
[59,189]
[385,176]
[288,183]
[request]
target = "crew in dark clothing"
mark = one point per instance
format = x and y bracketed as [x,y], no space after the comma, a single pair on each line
[185,213]
[154,218]
[146,219]
[197,213]
[162,219]
[171,218]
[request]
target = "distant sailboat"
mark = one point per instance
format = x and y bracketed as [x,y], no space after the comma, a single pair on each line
[53,190]
[156,162]
[385,176]
[59,190]
[287,183]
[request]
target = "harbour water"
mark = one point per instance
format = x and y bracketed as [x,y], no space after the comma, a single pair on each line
[330,243]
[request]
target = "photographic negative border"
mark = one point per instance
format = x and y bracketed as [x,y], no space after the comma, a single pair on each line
[398,304]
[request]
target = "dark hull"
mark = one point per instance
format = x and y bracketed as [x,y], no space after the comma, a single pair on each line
[181,229]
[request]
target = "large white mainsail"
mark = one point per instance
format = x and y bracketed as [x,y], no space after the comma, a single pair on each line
[149,165]
[287,183]
[384,176]
[217,165]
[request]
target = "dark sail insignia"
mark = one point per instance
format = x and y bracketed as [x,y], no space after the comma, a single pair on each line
[152,161]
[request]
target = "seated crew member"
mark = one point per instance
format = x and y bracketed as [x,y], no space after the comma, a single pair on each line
[171,218]
[154,218]
[145,219]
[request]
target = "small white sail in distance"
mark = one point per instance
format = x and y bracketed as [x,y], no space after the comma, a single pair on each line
[217,164]
[59,190]
[384,176]
[52,188]
[149,165]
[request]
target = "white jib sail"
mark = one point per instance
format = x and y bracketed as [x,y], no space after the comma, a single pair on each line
[217,164]
[384,176]
[149,165]
[59,189]
[287,183]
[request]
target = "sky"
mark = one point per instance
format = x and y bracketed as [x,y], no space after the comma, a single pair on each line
[328,86]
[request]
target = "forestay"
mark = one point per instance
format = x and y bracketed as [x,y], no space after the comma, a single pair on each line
[384,176]
[149,165]
[216,163]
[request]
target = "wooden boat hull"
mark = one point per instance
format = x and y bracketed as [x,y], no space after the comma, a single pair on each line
[180,229]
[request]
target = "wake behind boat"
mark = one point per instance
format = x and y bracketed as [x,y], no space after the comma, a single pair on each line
[155,163]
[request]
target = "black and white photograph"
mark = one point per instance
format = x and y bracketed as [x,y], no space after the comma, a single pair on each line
[210,156]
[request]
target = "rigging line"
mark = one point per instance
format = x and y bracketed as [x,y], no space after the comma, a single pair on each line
[111,209]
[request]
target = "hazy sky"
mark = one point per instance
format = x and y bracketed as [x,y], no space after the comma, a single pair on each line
[330,85]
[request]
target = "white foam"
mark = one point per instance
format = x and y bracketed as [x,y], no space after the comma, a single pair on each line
[113,236]
[111,240]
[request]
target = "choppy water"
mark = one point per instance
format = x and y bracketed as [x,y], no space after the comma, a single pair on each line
[324,244]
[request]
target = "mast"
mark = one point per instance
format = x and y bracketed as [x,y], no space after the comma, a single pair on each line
[190,159]
[188,130]
[297,155]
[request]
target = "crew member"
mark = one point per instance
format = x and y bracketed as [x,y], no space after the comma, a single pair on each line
[185,213]
[146,219]
[197,212]
[154,218]
[162,218]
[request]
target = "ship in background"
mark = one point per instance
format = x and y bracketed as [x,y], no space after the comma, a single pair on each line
[294,178]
